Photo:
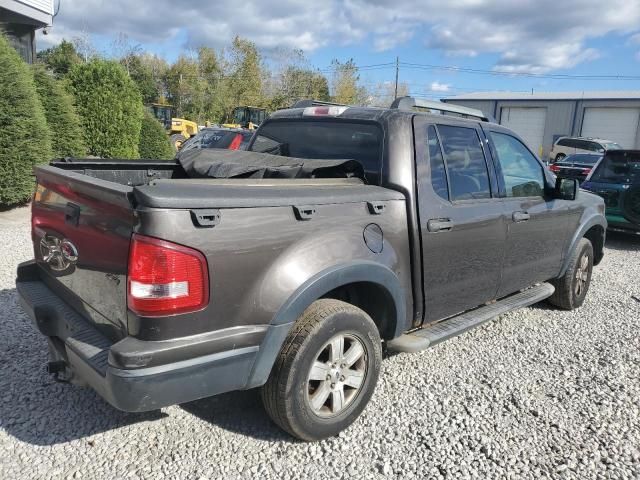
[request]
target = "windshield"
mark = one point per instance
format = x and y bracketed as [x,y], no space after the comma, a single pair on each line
[619,167]
[240,115]
[326,139]
[611,146]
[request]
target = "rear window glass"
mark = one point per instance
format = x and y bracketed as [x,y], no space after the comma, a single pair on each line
[582,158]
[466,165]
[324,140]
[618,167]
[218,138]
[438,173]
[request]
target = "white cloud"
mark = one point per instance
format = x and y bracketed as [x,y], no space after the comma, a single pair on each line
[528,36]
[439,87]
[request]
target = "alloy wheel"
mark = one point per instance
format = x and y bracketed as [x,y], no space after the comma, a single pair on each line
[582,275]
[336,375]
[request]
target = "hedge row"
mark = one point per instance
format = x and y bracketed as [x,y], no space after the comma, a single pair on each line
[96,109]
[24,136]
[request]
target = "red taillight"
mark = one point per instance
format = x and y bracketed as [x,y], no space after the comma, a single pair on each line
[235,143]
[165,278]
[586,171]
[554,168]
[333,110]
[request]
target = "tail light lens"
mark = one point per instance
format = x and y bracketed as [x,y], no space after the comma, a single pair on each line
[554,168]
[586,171]
[236,142]
[165,278]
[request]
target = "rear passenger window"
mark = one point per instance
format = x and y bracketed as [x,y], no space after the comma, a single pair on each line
[438,174]
[521,171]
[563,142]
[466,165]
[582,144]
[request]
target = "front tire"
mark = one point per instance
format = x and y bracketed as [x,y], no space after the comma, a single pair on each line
[326,371]
[572,287]
[560,157]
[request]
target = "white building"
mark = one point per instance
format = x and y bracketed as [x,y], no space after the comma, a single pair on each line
[19,20]
[540,118]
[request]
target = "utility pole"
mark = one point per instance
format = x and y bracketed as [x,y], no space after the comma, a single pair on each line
[180,97]
[395,94]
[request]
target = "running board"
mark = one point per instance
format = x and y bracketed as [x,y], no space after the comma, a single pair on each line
[426,337]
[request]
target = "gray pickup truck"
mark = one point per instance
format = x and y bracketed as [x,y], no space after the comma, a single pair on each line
[156,288]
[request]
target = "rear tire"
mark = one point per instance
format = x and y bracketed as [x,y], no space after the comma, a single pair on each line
[559,157]
[572,287]
[326,371]
[177,139]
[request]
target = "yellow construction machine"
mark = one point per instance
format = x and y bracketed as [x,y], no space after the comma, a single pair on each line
[246,117]
[179,129]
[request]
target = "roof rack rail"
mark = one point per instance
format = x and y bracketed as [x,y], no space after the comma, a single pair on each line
[409,103]
[315,103]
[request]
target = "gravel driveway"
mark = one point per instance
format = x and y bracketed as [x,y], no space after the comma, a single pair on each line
[536,394]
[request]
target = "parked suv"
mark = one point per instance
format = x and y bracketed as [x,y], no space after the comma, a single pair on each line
[290,272]
[576,166]
[616,178]
[565,146]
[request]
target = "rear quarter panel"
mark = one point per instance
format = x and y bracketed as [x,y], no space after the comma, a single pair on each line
[259,257]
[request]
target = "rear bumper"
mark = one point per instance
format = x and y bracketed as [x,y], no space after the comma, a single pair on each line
[134,375]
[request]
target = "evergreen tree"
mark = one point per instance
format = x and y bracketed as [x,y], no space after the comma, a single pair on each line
[154,142]
[24,135]
[60,58]
[63,121]
[110,108]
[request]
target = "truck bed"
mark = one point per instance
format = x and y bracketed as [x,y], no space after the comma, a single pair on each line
[246,229]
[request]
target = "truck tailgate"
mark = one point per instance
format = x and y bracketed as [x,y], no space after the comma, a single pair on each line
[81,232]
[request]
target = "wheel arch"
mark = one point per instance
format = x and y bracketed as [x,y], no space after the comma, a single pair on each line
[370,286]
[594,229]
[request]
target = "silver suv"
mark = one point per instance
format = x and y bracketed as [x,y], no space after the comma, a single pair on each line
[565,146]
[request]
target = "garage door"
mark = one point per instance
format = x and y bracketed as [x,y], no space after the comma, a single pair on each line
[526,122]
[617,124]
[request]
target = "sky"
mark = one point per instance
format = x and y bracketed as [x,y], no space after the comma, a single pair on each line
[518,45]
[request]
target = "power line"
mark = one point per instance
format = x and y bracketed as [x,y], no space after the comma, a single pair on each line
[556,76]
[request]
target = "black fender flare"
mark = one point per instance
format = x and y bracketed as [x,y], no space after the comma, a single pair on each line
[314,288]
[592,221]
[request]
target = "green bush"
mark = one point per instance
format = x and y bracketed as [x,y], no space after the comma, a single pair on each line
[63,121]
[154,142]
[24,135]
[110,108]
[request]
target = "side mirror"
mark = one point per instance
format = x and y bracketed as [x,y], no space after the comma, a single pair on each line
[566,188]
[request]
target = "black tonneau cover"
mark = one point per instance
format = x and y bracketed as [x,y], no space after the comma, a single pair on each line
[219,163]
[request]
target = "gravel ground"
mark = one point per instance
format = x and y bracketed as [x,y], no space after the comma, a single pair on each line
[536,394]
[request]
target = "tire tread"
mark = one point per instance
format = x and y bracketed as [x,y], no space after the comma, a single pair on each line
[563,296]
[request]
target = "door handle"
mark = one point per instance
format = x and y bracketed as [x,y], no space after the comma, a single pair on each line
[520,216]
[439,224]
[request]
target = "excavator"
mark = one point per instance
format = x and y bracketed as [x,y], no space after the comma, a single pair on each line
[179,129]
[246,117]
